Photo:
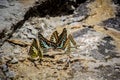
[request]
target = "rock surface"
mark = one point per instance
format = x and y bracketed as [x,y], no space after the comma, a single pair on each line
[97,55]
[11,13]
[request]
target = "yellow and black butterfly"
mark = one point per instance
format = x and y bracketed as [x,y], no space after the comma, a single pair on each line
[35,49]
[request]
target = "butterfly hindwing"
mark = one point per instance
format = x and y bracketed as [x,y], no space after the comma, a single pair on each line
[35,49]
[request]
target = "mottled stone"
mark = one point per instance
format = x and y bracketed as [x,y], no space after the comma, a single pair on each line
[10,74]
[4,68]
[14,60]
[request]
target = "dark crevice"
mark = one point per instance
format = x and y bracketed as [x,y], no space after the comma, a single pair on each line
[16,26]
[2,34]
[116,2]
[53,8]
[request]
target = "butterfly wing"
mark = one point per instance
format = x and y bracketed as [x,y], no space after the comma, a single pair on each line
[62,39]
[54,37]
[45,43]
[33,51]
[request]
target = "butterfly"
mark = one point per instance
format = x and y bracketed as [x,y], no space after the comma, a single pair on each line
[57,41]
[35,49]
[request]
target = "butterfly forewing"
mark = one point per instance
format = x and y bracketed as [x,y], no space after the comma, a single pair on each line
[72,41]
[54,37]
[45,43]
[62,39]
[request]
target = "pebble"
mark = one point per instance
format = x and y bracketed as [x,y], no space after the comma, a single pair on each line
[59,67]
[4,68]
[10,74]
[17,51]
[21,59]
[14,60]
[117,68]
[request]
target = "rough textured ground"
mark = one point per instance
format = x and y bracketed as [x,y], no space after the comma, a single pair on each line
[97,56]
[12,13]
